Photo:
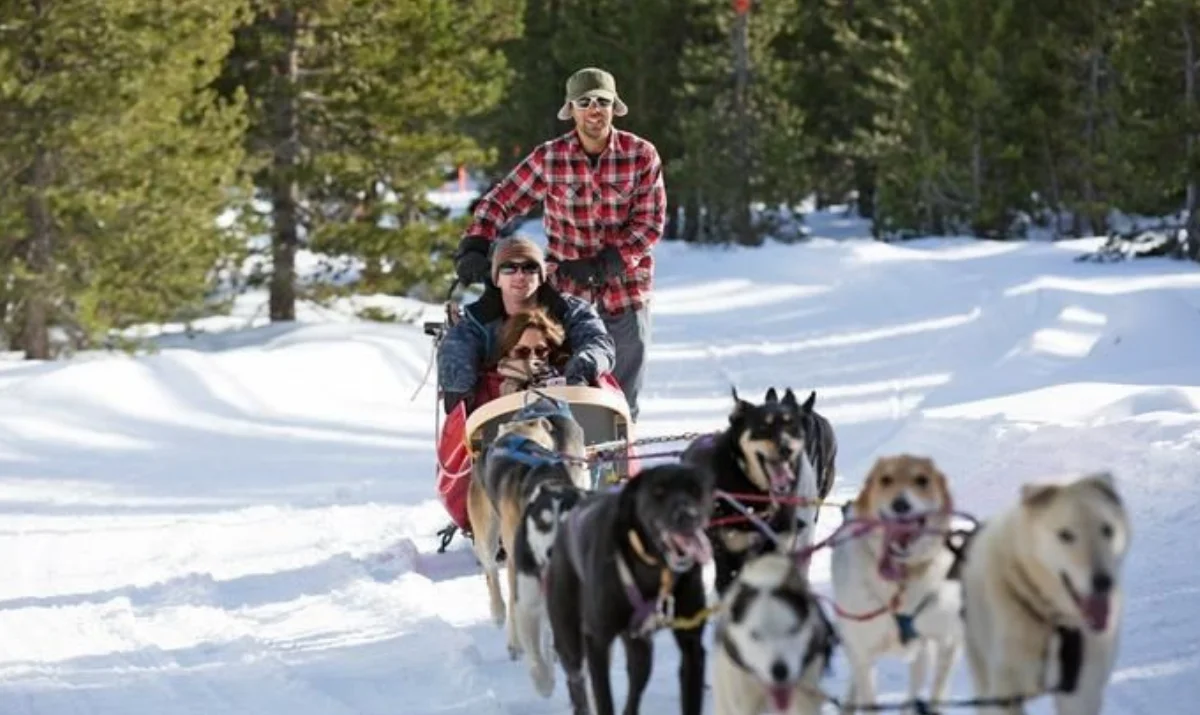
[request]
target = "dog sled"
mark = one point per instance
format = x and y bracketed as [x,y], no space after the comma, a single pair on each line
[601,411]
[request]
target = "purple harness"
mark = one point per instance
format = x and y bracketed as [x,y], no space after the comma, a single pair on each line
[648,616]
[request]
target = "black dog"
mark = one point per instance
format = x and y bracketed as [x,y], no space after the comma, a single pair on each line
[777,451]
[624,563]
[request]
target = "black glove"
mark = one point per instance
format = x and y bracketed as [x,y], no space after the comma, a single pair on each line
[609,263]
[578,270]
[471,261]
[579,372]
[596,270]
[450,400]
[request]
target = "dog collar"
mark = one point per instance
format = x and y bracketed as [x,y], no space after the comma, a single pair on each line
[648,616]
[635,542]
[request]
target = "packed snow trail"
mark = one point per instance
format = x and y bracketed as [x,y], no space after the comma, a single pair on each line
[244,523]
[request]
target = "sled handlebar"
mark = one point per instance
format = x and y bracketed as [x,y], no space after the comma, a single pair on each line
[434,328]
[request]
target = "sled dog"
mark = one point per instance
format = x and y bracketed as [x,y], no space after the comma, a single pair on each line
[625,563]
[772,642]
[775,451]
[892,586]
[1043,595]
[526,452]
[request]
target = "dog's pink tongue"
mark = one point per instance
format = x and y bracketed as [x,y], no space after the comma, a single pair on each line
[1095,612]
[889,567]
[695,544]
[781,477]
[781,697]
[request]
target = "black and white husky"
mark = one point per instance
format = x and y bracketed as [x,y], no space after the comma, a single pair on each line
[548,506]
[773,642]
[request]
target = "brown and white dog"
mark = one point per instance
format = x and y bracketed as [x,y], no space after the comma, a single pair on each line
[892,587]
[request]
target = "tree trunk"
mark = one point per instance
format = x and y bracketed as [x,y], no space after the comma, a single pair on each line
[39,247]
[864,184]
[285,190]
[35,337]
[1055,187]
[1189,102]
[691,218]
[742,229]
[977,166]
[1089,185]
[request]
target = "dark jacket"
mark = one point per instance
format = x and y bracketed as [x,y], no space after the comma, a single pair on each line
[474,341]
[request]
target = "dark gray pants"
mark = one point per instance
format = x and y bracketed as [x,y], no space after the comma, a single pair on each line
[630,330]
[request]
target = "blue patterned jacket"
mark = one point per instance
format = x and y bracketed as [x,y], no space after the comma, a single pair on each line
[473,341]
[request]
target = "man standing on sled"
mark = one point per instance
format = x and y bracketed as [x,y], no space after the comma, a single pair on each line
[604,210]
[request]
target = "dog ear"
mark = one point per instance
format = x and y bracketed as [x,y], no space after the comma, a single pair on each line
[1038,495]
[789,398]
[1104,483]
[795,581]
[772,396]
[740,407]
[862,503]
[741,602]
[810,402]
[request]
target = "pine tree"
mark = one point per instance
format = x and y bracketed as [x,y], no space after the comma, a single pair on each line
[360,108]
[117,163]
[1158,57]
[741,131]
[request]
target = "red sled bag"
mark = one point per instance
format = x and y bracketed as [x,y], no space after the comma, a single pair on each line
[454,455]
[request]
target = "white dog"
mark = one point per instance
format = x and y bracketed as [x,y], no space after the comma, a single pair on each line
[773,642]
[894,592]
[1042,593]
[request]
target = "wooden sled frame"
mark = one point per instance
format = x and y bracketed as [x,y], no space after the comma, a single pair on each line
[603,415]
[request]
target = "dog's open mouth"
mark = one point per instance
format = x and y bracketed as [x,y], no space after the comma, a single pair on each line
[898,543]
[1094,607]
[683,550]
[781,697]
[780,474]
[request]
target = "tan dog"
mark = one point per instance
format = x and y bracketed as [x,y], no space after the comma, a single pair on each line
[522,456]
[893,592]
[1043,598]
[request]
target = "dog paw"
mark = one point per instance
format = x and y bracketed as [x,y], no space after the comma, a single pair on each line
[515,651]
[498,615]
[543,679]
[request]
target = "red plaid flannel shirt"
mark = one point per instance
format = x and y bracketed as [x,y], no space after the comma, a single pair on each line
[621,203]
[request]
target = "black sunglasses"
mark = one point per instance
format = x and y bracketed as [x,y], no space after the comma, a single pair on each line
[530,267]
[523,352]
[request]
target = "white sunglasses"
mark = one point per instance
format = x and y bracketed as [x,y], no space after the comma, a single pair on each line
[585,102]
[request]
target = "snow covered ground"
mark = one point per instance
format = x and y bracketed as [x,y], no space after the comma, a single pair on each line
[244,522]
